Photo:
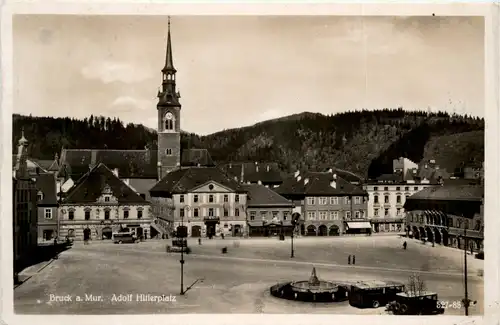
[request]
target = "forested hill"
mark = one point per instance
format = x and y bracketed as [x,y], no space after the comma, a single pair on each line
[364,142]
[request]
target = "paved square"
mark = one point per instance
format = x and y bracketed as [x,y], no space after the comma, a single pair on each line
[117,279]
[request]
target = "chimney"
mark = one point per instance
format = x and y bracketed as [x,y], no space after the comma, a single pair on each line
[299,178]
[256,167]
[115,171]
[334,176]
[267,167]
[259,182]
[159,171]
[330,170]
[306,180]
[230,166]
[296,174]
[333,184]
[242,173]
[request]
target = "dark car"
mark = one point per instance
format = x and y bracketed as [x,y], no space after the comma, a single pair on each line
[480,255]
[425,303]
[373,294]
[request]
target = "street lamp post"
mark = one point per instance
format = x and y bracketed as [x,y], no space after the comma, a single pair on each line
[295,219]
[183,236]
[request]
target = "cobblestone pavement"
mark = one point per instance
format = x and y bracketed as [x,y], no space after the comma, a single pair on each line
[237,282]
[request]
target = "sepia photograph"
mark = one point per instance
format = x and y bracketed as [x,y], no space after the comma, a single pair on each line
[248,164]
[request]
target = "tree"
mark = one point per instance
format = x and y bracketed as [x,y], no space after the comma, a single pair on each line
[416,286]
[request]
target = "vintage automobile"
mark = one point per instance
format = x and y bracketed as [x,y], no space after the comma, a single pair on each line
[373,294]
[424,303]
[178,245]
[125,237]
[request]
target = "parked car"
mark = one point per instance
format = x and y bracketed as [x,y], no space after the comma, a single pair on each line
[480,255]
[124,237]
[425,303]
[373,294]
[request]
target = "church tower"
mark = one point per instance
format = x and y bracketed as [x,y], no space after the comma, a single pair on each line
[169,116]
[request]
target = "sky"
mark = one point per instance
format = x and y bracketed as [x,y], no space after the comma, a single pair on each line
[235,71]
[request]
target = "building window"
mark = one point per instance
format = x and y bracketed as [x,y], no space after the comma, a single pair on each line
[459,223]
[386,188]
[236,212]
[375,199]
[87,214]
[168,152]
[226,212]
[48,213]
[334,215]
[40,196]
[357,214]
[386,212]
[196,212]
[323,200]
[310,201]
[106,199]
[211,212]
[386,199]
[311,215]
[275,214]
[357,200]
[398,211]
[195,198]
[285,215]
[466,224]
[226,198]
[334,200]
[169,123]
[398,188]
[139,214]
[263,214]
[211,198]
[348,214]
[71,214]
[106,214]
[375,212]
[416,188]
[181,198]
[322,215]
[182,213]
[346,200]
[398,199]
[252,215]
[236,198]
[375,188]
[407,188]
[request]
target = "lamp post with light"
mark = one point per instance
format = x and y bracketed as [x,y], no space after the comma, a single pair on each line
[295,219]
[182,234]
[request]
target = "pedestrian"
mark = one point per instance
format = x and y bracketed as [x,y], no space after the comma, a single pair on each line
[404,245]
[199,241]
[222,235]
[349,259]
[353,259]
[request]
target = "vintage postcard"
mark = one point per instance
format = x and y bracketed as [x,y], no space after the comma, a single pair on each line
[236,161]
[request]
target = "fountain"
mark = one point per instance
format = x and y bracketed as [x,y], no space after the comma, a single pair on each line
[312,290]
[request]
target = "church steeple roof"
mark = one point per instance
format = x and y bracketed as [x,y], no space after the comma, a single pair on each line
[169,62]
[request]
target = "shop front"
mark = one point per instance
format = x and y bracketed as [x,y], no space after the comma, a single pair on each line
[358,227]
[211,226]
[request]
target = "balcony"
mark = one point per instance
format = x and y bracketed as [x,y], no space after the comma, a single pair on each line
[211,218]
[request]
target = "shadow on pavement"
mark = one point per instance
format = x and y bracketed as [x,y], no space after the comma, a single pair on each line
[43,253]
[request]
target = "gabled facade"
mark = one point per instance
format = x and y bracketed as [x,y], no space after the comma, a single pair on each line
[329,205]
[206,200]
[100,204]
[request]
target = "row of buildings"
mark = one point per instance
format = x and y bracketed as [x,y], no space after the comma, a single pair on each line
[91,193]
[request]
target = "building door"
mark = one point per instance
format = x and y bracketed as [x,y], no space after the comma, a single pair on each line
[210,229]
[48,234]
[139,232]
[107,233]
[311,230]
[334,230]
[322,230]
[237,230]
[196,231]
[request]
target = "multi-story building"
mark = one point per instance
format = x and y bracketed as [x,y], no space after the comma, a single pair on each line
[205,200]
[24,200]
[268,212]
[47,203]
[330,205]
[445,214]
[100,204]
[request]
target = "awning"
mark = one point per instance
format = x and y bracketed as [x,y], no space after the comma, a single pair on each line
[359,225]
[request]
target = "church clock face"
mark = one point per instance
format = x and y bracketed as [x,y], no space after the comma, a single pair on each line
[169,116]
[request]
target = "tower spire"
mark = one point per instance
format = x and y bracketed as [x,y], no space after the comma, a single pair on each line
[169,62]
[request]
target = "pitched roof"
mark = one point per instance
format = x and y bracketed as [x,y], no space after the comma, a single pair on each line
[266,172]
[451,192]
[44,164]
[345,174]
[130,163]
[46,183]
[319,183]
[259,195]
[186,179]
[91,185]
